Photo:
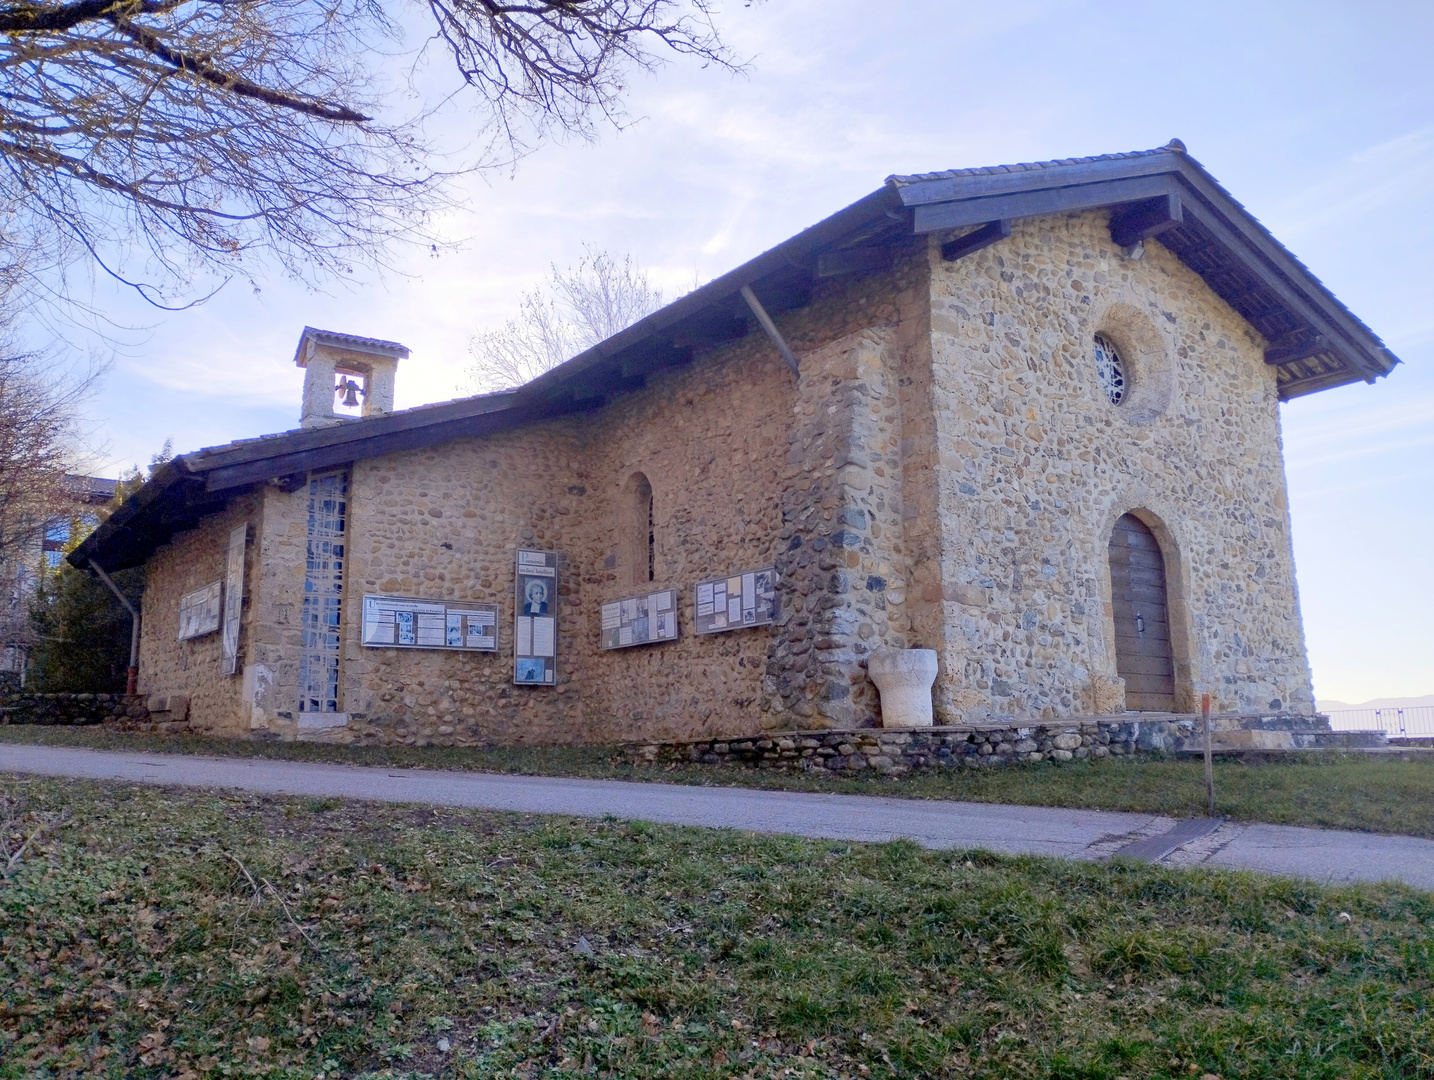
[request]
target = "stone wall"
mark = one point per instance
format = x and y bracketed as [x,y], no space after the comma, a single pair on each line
[873,750]
[73,710]
[191,668]
[803,474]
[844,561]
[841,535]
[711,440]
[1037,465]
[444,523]
[730,445]
[867,751]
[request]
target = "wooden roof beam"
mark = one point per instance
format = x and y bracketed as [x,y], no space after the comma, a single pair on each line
[1287,351]
[772,332]
[1272,280]
[1135,222]
[1300,387]
[935,217]
[1345,326]
[980,185]
[856,260]
[990,233]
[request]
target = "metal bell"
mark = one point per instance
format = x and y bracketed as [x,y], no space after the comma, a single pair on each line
[350,390]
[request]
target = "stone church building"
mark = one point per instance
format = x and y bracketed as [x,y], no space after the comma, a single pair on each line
[1026,416]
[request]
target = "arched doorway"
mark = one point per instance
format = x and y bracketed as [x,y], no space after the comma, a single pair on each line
[1143,654]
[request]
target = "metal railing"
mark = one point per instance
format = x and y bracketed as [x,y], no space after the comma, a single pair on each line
[1409,720]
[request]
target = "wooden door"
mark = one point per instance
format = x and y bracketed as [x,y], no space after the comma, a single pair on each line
[1143,656]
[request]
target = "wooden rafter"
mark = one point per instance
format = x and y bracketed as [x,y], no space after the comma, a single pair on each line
[988,234]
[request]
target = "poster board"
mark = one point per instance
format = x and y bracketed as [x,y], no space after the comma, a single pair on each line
[735,602]
[535,618]
[408,622]
[233,599]
[639,620]
[199,611]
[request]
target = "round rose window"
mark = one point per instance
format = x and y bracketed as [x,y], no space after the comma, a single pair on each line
[1109,369]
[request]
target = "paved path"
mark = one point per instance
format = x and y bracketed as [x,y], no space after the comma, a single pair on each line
[1321,854]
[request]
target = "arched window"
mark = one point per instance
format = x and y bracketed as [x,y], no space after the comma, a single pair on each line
[638,530]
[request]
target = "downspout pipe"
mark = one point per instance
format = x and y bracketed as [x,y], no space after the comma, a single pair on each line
[132,680]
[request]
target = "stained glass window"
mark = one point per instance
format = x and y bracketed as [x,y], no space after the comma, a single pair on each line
[1109,369]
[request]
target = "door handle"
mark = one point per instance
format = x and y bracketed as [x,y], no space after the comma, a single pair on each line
[1140,624]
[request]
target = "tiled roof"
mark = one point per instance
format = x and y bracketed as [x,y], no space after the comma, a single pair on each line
[347,341]
[353,424]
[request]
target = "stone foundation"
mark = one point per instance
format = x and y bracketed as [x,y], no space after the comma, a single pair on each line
[890,752]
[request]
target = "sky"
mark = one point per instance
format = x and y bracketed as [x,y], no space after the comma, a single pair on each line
[1319,117]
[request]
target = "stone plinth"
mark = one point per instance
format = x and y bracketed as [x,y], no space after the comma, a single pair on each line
[904,678]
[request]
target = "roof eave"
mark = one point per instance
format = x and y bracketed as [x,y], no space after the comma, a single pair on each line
[164,478]
[1005,193]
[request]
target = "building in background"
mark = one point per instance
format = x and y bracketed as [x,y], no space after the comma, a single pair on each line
[20,574]
[1026,416]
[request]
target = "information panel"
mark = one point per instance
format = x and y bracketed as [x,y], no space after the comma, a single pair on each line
[640,620]
[535,629]
[199,611]
[406,622]
[737,601]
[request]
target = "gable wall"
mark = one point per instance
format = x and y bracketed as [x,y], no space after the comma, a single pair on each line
[1036,465]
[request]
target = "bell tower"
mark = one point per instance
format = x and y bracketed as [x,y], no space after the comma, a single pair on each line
[359,370]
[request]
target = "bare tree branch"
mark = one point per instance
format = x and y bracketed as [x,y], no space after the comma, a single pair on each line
[169,139]
[40,443]
[10,860]
[571,311]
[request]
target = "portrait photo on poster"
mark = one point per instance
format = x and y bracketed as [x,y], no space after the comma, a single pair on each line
[536,594]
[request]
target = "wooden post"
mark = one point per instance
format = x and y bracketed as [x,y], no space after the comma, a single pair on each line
[771,328]
[1209,757]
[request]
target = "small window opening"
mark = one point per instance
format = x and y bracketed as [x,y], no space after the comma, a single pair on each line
[637,530]
[651,541]
[1109,369]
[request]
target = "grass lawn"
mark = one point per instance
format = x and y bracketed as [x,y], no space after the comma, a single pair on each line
[1343,791]
[174,935]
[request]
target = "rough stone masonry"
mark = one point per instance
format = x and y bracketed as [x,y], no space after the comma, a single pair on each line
[945,472]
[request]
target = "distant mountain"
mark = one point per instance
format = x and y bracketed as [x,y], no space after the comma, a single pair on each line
[1328,704]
